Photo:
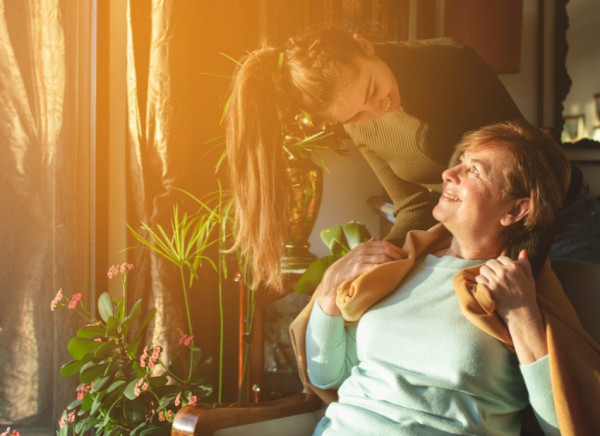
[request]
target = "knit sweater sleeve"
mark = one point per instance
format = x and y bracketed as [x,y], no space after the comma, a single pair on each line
[539,387]
[330,349]
[413,201]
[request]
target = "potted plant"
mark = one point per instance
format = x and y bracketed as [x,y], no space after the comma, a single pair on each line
[127,386]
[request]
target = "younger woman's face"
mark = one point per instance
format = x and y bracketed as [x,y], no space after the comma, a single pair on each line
[369,91]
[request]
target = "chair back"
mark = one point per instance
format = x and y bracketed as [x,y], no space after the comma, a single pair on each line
[581,282]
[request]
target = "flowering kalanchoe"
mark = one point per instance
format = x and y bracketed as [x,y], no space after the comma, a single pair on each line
[162,416]
[151,362]
[75,300]
[84,389]
[185,340]
[66,418]
[116,269]
[8,433]
[192,400]
[55,301]
[141,385]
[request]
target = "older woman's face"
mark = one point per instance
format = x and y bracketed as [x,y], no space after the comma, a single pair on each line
[472,200]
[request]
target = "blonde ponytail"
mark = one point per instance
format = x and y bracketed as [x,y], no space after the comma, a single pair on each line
[257,165]
[268,87]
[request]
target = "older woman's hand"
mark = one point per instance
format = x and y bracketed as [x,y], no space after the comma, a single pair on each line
[362,258]
[512,286]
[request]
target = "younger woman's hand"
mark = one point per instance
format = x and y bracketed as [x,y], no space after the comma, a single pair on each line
[362,258]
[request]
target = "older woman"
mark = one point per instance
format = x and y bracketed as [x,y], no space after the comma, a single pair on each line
[414,364]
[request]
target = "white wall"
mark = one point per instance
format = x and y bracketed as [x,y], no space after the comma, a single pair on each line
[346,187]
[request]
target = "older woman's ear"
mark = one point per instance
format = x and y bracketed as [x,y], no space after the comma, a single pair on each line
[517,212]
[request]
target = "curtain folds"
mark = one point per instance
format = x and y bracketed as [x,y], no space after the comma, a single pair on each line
[39,212]
[174,102]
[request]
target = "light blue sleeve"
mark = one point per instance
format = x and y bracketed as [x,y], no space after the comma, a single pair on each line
[539,386]
[330,349]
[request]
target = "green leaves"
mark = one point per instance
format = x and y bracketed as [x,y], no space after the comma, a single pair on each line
[79,347]
[339,240]
[119,391]
[105,307]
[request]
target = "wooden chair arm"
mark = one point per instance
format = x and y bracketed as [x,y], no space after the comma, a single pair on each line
[203,420]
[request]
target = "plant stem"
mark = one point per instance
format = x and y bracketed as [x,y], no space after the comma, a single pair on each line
[221,326]
[189,319]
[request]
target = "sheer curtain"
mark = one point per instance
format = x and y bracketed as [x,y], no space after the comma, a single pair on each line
[53,162]
[177,80]
[44,134]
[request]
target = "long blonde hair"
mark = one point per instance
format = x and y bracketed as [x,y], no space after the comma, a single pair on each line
[271,85]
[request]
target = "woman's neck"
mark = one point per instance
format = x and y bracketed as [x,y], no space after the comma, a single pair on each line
[471,252]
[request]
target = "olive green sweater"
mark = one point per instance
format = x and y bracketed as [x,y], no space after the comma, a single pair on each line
[446,90]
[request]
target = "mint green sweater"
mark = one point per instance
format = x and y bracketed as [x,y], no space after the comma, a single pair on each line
[414,365]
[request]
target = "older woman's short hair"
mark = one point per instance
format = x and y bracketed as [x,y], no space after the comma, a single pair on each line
[540,169]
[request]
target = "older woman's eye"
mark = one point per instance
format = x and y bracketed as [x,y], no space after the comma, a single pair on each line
[474,171]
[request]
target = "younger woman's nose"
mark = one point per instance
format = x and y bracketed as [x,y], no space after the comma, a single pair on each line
[379,107]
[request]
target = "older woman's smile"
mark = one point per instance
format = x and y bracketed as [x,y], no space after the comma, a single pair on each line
[448,196]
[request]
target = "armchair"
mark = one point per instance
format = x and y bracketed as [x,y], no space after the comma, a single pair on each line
[299,413]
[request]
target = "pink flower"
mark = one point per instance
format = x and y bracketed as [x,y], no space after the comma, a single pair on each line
[63,419]
[163,417]
[71,417]
[143,357]
[15,433]
[178,399]
[125,266]
[192,401]
[75,300]
[140,384]
[55,301]
[112,271]
[116,269]
[186,339]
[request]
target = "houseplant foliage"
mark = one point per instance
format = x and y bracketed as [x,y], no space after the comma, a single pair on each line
[127,386]
[339,239]
[123,389]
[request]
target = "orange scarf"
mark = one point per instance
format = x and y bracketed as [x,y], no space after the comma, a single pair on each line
[574,354]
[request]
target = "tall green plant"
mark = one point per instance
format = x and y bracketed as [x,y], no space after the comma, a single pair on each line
[185,246]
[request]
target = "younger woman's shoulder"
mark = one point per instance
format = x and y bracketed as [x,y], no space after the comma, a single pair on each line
[419,44]
[439,48]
